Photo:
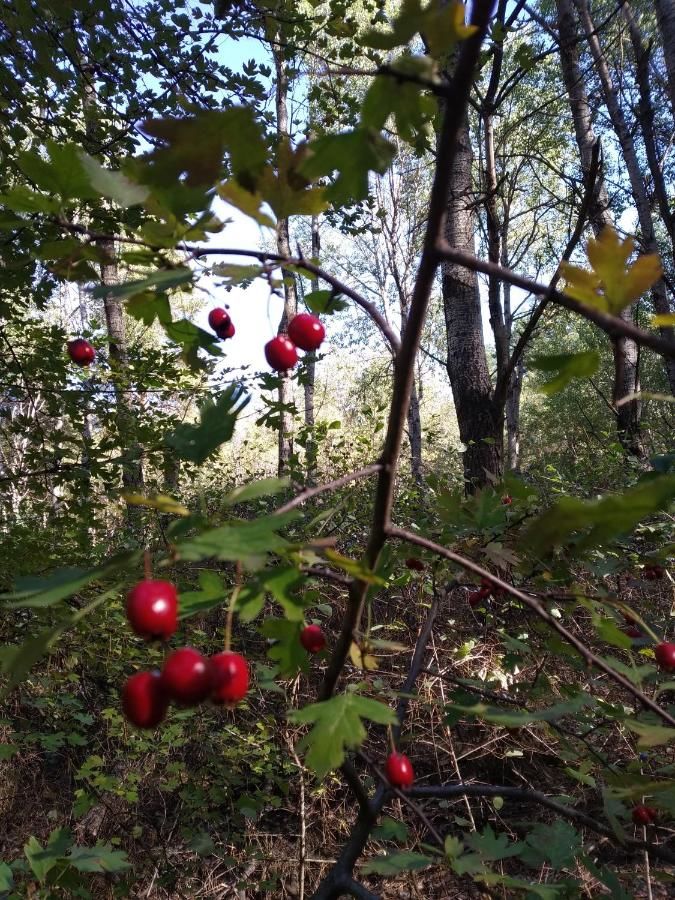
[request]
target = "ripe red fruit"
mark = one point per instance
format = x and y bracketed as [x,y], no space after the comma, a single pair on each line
[653,572]
[507,500]
[632,631]
[144,701]
[280,353]
[187,676]
[218,317]
[312,638]
[399,770]
[643,815]
[416,564]
[230,677]
[476,597]
[665,656]
[225,330]
[306,331]
[81,352]
[152,609]
[486,584]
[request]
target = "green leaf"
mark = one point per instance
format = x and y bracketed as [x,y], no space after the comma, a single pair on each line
[557,844]
[287,650]
[411,107]
[492,846]
[593,522]
[101,858]
[568,366]
[338,726]
[391,830]
[147,306]
[113,184]
[393,863]
[192,339]
[213,593]
[353,154]
[6,877]
[249,542]
[163,278]
[264,487]
[234,274]
[39,859]
[216,426]
[650,735]
[38,592]
[7,751]
[324,302]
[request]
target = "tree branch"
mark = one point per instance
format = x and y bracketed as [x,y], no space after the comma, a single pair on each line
[537,608]
[328,486]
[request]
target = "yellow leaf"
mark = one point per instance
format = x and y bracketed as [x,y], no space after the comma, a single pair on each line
[608,256]
[641,276]
[160,502]
[445,26]
[582,285]
[361,658]
[663,319]
[244,200]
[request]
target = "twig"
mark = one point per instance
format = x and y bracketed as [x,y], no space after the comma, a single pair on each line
[536,607]
[328,486]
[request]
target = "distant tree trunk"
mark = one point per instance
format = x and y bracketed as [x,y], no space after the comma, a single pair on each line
[665,14]
[625,351]
[132,468]
[310,378]
[290,295]
[638,189]
[415,433]
[480,423]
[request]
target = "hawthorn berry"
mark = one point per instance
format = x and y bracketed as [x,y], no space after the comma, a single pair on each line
[312,638]
[81,352]
[399,770]
[665,656]
[507,500]
[413,563]
[230,677]
[306,331]
[653,572]
[476,597]
[643,815]
[218,317]
[280,353]
[152,609]
[225,330]
[187,676]
[144,700]
[632,631]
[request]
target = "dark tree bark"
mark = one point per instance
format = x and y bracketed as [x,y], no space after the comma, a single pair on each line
[665,14]
[625,351]
[480,423]
[637,183]
[286,427]
[310,378]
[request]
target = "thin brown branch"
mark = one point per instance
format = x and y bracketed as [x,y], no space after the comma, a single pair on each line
[534,604]
[328,486]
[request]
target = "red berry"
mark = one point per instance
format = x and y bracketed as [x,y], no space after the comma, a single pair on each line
[280,353]
[399,770]
[632,631]
[665,656]
[475,597]
[507,500]
[226,330]
[230,677]
[187,676]
[312,638]
[152,609]
[487,584]
[416,564]
[218,317]
[81,352]
[643,815]
[144,701]
[306,331]
[653,572]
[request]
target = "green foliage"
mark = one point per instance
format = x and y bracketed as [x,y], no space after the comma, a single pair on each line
[216,426]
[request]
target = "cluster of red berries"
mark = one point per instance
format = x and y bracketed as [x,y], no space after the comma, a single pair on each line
[644,815]
[221,323]
[487,588]
[81,352]
[187,677]
[304,331]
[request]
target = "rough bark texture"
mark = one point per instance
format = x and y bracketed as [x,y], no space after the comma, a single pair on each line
[415,433]
[665,14]
[286,427]
[638,188]
[480,425]
[625,351]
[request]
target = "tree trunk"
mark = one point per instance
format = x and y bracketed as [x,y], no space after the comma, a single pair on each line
[513,416]
[480,424]
[638,189]
[415,433]
[625,351]
[286,426]
[665,14]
